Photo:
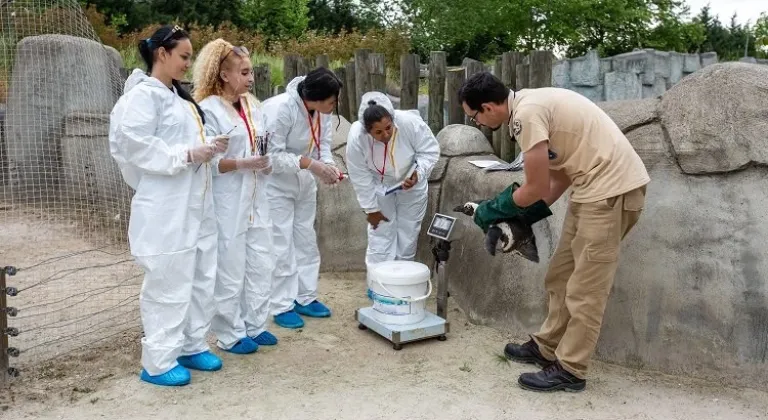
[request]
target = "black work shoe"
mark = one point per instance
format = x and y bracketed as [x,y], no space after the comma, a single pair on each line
[526,353]
[552,378]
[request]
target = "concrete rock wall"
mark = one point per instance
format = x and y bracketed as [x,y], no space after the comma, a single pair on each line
[639,74]
[635,75]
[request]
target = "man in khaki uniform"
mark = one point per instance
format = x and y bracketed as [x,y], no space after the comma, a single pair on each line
[567,141]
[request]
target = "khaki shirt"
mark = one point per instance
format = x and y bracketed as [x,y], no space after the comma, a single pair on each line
[584,142]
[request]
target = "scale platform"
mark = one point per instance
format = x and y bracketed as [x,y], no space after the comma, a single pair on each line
[431,327]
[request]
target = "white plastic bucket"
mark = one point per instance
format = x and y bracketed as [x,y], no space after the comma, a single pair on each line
[399,290]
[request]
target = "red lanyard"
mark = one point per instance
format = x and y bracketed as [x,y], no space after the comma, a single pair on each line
[315,137]
[383,168]
[241,111]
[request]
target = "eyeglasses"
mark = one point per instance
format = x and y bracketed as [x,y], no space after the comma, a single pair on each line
[241,51]
[473,118]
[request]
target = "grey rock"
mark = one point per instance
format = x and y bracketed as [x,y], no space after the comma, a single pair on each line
[717,118]
[463,140]
[620,85]
[691,63]
[561,74]
[585,70]
[40,98]
[630,114]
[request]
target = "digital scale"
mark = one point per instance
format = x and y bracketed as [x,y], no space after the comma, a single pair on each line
[432,326]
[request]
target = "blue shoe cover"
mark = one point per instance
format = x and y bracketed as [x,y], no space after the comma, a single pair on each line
[370,294]
[201,361]
[265,339]
[314,309]
[289,319]
[244,346]
[177,376]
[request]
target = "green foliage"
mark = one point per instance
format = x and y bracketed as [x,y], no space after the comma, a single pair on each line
[479,29]
[276,18]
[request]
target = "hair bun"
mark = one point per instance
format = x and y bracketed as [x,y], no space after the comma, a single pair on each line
[371,102]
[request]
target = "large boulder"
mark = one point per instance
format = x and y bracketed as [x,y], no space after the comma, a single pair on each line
[53,76]
[717,118]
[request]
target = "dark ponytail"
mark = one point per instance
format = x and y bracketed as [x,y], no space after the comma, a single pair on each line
[319,85]
[373,114]
[167,37]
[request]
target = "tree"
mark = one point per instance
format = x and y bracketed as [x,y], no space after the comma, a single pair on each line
[761,35]
[276,18]
[333,16]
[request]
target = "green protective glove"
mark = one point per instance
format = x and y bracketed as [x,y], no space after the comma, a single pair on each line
[535,212]
[503,207]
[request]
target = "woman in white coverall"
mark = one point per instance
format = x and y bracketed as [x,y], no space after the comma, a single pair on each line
[383,147]
[157,138]
[299,123]
[222,76]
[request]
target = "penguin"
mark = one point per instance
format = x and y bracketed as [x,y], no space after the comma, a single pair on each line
[513,235]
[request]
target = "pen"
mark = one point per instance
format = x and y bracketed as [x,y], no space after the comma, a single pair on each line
[226,134]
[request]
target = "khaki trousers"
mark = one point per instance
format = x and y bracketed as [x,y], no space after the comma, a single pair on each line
[580,277]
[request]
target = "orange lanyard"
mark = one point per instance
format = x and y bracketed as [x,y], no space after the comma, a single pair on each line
[241,111]
[315,136]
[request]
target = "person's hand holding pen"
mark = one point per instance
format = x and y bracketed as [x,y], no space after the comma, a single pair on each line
[218,144]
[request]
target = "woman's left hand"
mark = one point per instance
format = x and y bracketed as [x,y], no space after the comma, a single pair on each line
[410,182]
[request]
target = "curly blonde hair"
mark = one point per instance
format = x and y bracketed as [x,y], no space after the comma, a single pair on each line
[208,65]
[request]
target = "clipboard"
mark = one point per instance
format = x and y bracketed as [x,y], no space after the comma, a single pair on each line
[399,186]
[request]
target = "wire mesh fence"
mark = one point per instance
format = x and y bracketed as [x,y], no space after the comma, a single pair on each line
[63,204]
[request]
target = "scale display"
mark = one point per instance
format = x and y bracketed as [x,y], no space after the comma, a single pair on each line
[441,226]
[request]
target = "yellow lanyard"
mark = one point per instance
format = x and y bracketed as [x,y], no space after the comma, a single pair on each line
[202,136]
[246,106]
[314,139]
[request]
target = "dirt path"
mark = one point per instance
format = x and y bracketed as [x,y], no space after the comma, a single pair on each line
[332,370]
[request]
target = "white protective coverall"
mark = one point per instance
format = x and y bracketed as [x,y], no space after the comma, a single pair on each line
[172,227]
[292,194]
[245,257]
[412,141]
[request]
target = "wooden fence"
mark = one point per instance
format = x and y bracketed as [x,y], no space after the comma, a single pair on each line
[367,71]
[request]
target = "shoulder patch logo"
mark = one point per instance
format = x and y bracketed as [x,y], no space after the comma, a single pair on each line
[517,127]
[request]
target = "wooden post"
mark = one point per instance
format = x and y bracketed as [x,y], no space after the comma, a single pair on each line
[437,69]
[378,70]
[455,79]
[509,62]
[498,135]
[303,67]
[351,90]
[540,71]
[341,73]
[409,81]
[322,61]
[521,76]
[474,67]
[362,73]
[262,81]
[279,89]
[290,68]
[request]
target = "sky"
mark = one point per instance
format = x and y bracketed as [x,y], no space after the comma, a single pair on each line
[745,9]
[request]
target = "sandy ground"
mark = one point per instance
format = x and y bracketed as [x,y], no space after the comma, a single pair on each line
[328,370]
[332,370]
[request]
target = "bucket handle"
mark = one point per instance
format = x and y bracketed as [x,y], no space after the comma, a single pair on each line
[429,292]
